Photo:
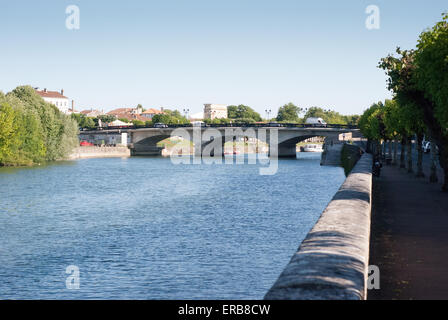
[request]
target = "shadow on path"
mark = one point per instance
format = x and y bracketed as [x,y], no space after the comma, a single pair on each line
[409,236]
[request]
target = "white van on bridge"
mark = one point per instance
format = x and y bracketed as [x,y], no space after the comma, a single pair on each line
[316,122]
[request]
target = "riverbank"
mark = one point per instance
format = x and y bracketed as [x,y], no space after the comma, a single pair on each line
[332,261]
[409,236]
[99,152]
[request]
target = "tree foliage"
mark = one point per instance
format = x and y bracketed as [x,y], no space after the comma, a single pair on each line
[419,81]
[170,117]
[32,130]
[372,123]
[289,112]
[106,118]
[243,112]
[83,121]
[431,68]
[331,116]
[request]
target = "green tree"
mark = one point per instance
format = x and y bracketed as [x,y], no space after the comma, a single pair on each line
[243,112]
[416,103]
[395,129]
[39,132]
[331,116]
[170,117]
[138,123]
[372,126]
[431,69]
[161,118]
[431,81]
[106,118]
[353,119]
[83,121]
[289,112]
[8,131]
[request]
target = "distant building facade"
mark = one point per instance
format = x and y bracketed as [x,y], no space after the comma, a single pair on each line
[134,113]
[215,111]
[56,98]
[92,113]
[151,113]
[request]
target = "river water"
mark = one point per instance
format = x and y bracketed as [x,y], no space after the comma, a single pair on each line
[144,228]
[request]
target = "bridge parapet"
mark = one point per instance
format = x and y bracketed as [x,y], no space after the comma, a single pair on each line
[332,261]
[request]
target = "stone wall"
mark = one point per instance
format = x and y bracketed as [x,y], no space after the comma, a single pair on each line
[350,155]
[100,152]
[331,155]
[332,261]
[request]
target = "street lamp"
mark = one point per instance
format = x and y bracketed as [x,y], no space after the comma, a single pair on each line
[186,111]
[304,111]
[268,112]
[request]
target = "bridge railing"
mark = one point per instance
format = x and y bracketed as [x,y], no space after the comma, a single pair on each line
[231,125]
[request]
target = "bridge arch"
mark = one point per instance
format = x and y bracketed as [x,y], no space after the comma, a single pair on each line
[144,142]
[148,146]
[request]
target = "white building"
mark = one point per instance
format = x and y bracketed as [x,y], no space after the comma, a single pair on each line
[56,98]
[215,111]
[151,112]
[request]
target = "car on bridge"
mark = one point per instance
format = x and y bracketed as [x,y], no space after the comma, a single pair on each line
[198,124]
[160,125]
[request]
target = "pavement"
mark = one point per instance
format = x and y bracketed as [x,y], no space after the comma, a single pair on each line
[409,235]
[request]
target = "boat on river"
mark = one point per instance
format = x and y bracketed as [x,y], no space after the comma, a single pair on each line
[312,148]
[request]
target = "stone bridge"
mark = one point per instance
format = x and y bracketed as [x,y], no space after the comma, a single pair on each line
[144,141]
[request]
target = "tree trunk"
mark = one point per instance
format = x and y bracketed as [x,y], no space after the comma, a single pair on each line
[369,146]
[443,159]
[403,147]
[389,146]
[433,177]
[420,173]
[409,155]
[394,160]
[436,131]
[379,149]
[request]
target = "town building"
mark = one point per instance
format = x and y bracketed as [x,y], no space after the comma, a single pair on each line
[92,113]
[151,113]
[132,114]
[215,111]
[119,123]
[56,98]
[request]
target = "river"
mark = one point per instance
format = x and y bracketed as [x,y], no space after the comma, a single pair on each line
[144,228]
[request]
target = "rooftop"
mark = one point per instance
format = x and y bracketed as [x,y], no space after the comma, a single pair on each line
[51,94]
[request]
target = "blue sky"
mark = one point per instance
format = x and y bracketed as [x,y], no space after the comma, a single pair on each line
[184,53]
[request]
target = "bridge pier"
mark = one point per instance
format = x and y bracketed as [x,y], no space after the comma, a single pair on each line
[145,150]
[287,151]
